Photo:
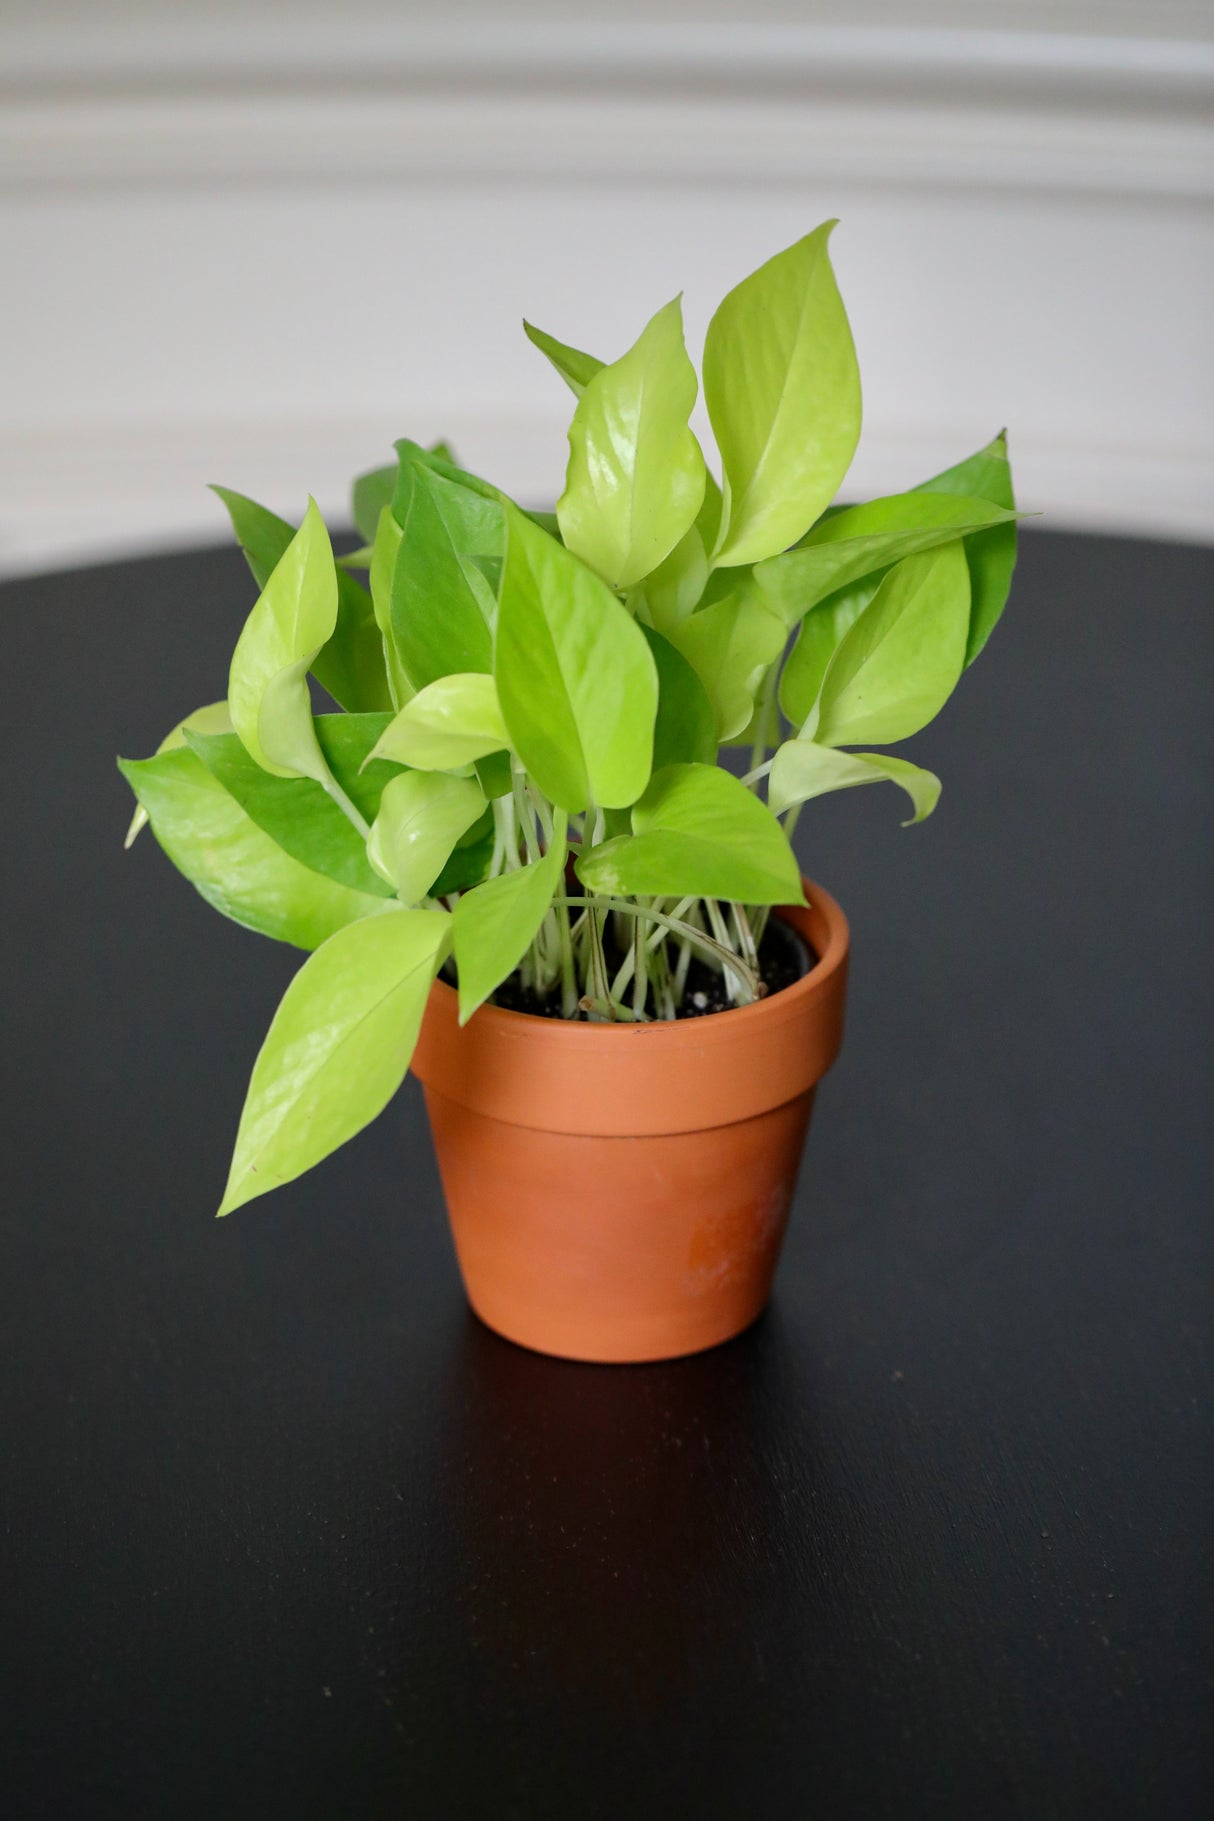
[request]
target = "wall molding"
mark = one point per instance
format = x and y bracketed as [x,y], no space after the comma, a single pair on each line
[205,100]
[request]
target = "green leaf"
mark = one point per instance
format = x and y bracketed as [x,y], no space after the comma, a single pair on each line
[372,492]
[991,555]
[338,1048]
[783,393]
[898,665]
[298,813]
[351,664]
[575,368]
[268,686]
[421,817]
[822,632]
[685,731]
[448,724]
[471,859]
[473,506]
[697,831]
[494,774]
[729,645]
[849,545]
[214,718]
[496,923]
[234,864]
[576,680]
[384,553]
[635,479]
[801,770]
[442,605]
[675,587]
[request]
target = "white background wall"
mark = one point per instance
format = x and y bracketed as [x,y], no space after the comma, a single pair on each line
[256,243]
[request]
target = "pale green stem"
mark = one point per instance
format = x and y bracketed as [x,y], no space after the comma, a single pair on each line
[347,808]
[740,982]
[720,953]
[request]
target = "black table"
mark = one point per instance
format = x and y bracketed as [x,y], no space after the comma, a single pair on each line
[287,1533]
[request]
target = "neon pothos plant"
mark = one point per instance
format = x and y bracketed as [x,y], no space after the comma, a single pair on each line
[524,775]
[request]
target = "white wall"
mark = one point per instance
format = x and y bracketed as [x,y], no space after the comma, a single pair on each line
[256,244]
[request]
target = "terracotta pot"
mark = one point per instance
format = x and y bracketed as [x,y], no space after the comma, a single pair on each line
[620,1192]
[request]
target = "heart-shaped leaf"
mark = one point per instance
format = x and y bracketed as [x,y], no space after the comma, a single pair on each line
[898,665]
[991,555]
[495,924]
[697,832]
[635,479]
[783,393]
[822,632]
[442,605]
[350,665]
[232,862]
[338,1048]
[450,723]
[421,817]
[576,680]
[213,718]
[802,770]
[685,731]
[729,645]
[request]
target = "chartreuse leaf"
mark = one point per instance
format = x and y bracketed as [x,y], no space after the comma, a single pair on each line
[897,666]
[991,555]
[851,544]
[496,923]
[577,683]
[783,393]
[470,859]
[421,817]
[635,479]
[472,506]
[384,553]
[697,832]
[449,723]
[298,813]
[234,864]
[801,770]
[214,718]
[442,605]
[729,645]
[686,727]
[673,589]
[338,1047]
[351,664]
[575,368]
[822,632]
[267,686]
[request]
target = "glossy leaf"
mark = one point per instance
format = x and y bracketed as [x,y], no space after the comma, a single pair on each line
[421,818]
[850,545]
[442,605]
[897,666]
[448,724]
[495,924]
[575,368]
[576,680]
[472,506]
[991,555]
[351,664]
[822,632]
[338,1048]
[384,553]
[674,589]
[470,860]
[298,813]
[267,686]
[635,479]
[783,393]
[697,831]
[233,863]
[730,645]
[802,770]
[685,731]
[213,718]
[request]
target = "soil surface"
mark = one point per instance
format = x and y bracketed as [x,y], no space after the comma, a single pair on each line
[783,959]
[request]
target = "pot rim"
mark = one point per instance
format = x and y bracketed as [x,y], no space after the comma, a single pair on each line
[788,1002]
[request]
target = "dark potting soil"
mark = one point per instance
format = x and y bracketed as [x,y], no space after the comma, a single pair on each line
[783,958]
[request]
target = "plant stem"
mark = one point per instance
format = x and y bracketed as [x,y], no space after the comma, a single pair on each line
[347,808]
[719,953]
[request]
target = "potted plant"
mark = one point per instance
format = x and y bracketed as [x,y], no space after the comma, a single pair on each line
[514,848]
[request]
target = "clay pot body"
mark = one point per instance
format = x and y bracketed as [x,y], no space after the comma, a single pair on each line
[620,1192]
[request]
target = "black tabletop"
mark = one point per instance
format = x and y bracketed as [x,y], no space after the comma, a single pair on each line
[287,1533]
